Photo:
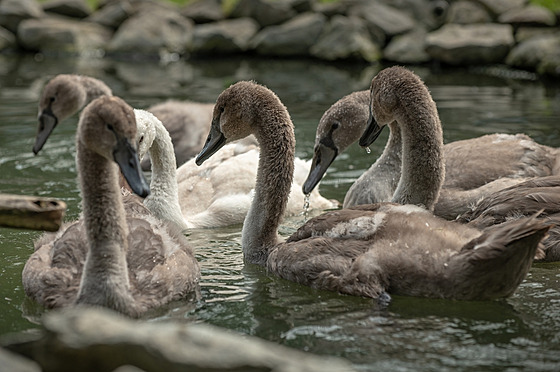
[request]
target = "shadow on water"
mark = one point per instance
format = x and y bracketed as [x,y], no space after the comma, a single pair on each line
[410,334]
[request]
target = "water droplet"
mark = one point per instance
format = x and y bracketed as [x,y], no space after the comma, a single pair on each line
[368,150]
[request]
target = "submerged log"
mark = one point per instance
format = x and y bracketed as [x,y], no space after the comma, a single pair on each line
[31,212]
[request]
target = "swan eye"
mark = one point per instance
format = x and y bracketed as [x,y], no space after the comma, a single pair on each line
[52,99]
[110,127]
[141,139]
[335,126]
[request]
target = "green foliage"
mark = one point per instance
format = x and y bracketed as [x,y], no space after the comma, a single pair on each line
[179,2]
[553,5]
[93,4]
[228,5]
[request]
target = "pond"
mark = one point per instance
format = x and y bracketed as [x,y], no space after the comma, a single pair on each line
[411,334]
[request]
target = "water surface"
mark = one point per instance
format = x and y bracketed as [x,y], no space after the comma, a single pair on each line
[411,334]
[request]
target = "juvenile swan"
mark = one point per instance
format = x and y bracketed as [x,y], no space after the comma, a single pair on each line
[374,249]
[218,193]
[62,97]
[469,175]
[65,94]
[187,123]
[540,194]
[153,138]
[129,263]
[488,204]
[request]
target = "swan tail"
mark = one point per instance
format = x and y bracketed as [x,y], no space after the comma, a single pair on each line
[494,264]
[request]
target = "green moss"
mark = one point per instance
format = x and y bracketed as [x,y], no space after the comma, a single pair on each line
[553,5]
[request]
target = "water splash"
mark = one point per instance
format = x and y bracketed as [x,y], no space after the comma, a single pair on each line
[305,206]
[368,150]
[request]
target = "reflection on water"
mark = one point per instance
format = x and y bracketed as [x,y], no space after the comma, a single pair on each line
[411,334]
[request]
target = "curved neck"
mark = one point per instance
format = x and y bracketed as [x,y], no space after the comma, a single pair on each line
[105,276]
[163,200]
[93,88]
[273,185]
[389,164]
[423,168]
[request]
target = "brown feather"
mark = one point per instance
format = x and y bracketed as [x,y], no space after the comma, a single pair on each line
[117,255]
[368,250]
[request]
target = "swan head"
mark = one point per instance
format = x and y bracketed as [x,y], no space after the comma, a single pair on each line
[339,127]
[61,98]
[388,88]
[145,131]
[108,127]
[236,111]
[373,130]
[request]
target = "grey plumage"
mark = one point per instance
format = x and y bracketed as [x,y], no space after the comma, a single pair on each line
[117,255]
[368,250]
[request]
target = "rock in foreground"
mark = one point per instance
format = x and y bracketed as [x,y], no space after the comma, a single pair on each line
[100,340]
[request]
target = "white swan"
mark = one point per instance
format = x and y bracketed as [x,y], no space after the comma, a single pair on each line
[65,94]
[469,175]
[373,249]
[153,138]
[127,261]
[217,194]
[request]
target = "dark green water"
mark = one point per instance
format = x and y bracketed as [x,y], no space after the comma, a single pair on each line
[517,334]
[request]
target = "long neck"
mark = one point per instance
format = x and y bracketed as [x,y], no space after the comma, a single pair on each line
[274,180]
[388,165]
[379,182]
[163,200]
[423,168]
[94,88]
[105,276]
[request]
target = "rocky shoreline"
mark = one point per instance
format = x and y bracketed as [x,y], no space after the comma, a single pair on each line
[462,32]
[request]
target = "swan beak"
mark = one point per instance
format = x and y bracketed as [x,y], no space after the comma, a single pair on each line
[126,157]
[47,122]
[215,141]
[323,158]
[373,130]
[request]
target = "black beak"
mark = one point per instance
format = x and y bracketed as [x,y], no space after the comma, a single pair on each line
[215,141]
[322,159]
[126,157]
[47,122]
[373,130]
